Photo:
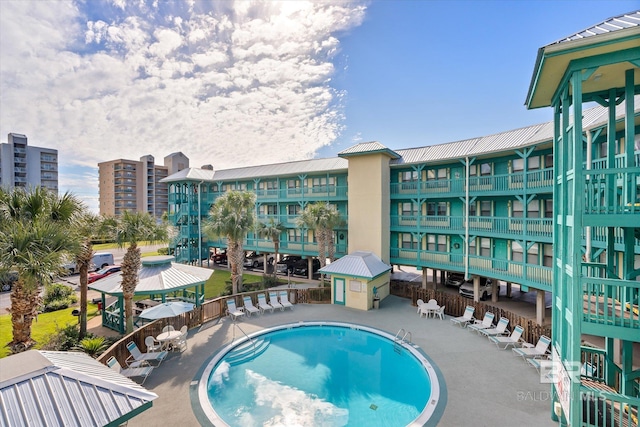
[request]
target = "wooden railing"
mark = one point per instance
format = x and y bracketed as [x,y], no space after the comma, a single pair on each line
[210,310]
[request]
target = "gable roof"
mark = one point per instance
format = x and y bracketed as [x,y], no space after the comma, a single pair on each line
[57,388]
[358,264]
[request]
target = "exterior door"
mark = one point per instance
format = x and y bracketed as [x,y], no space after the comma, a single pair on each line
[338,291]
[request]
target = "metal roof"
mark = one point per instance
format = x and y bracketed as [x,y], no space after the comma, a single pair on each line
[190,174]
[359,264]
[157,275]
[627,20]
[368,148]
[47,388]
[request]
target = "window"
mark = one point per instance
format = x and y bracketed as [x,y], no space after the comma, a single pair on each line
[442,243]
[516,252]
[407,241]
[548,161]
[485,208]
[548,208]
[547,255]
[269,209]
[517,210]
[533,209]
[409,176]
[472,209]
[472,246]
[485,247]
[355,286]
[293,184]
[268,185]
[293,209]
[532,255]
[294,235]
[437,208]
[485,169]
[409,209]
[517,165]
[431,242]
[533,163]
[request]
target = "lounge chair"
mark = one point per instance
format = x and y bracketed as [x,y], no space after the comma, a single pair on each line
[248,306]
[284,300]
[500,329]
[486,323]
[513,340]
[273,301]
[152,344]
[529,351]
[465,318]
[138,358]
[536,361]
[262,303]
[142,372]
[233,311]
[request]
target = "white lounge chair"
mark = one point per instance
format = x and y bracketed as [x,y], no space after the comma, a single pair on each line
[465,318]
[262,303]
[248,306]
[284,300]
[273,301]
[138,358]
[500,329]
[152,344]
[142,372]
[513,340]
[539,350]
[234,312]
[487,322]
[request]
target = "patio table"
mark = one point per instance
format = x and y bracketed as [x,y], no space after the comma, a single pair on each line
[167,338]
[429,309]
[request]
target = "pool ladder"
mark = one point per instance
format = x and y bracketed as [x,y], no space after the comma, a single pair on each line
[400,338]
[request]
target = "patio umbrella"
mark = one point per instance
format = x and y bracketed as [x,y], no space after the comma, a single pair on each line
[167,309]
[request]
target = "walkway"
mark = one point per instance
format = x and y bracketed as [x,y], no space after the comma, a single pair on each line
[485,386]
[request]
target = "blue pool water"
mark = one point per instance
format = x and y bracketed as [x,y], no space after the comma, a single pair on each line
[319,375]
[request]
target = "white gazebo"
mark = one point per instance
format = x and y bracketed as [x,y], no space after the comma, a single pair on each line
[160,279]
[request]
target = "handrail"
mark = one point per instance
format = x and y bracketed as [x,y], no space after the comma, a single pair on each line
[251,340]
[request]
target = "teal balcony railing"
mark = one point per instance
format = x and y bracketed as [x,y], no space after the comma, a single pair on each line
[611,302]
[612,191]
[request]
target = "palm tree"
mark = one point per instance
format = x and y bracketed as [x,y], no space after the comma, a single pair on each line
[322,218]
[34,238]
[232,216]
[127,230]
[272,230]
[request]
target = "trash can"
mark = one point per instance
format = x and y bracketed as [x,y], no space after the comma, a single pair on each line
[99,307]
[376,303]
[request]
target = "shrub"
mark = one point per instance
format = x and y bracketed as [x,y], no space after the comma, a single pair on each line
[163,251]
[58,296]
[64,339]
[269,281]
[93,346]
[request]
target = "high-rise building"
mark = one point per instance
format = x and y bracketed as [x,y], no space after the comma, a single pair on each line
[25,166]
[134,185]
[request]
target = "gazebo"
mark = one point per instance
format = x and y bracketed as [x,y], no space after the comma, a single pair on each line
[160,279]
[358,278]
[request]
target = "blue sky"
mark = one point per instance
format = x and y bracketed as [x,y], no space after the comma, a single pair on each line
[243,83]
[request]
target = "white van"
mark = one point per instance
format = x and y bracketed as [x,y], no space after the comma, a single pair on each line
[99,260]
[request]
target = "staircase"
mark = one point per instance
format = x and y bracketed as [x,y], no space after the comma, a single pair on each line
[247,351]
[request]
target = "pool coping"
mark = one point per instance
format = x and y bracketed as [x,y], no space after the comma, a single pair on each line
[428,417]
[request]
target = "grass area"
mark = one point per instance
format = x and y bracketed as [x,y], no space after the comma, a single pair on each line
[217,282]
[46,325]
[105,246]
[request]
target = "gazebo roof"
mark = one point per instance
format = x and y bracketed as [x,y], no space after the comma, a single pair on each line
[359,264]
[158,275]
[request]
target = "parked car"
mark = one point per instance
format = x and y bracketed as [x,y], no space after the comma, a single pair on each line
[219,257]
[256,261]
[302,267]
[103,272]
[7,280]
[454,279]
[466,289]
[98,261]
[287,264]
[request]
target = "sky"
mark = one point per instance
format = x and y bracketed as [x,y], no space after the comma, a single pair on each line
[242,83]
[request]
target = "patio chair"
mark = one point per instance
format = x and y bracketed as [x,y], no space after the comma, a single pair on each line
[233,311]
[513,340]
[168,328]
[284,300]
[529,351]
[138,358]
[152,344]
[142,372]
[273,301]
[440,312]
[419,303]
[262,303]
[248,306]
[181,342]
[500,329]
[486,323]
[465,318]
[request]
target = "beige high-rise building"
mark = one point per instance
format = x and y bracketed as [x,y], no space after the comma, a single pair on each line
[134,185]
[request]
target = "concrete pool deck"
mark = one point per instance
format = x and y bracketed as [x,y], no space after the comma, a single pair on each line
[485,386]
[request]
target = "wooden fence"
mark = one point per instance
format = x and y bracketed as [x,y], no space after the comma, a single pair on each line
[209,311]
[456,304]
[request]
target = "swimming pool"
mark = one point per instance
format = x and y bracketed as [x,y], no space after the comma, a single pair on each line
[320,373]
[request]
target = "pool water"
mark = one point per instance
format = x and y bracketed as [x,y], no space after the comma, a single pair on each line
[319,376]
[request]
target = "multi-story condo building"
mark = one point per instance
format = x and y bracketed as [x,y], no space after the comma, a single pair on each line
[25,166]
[553,207]
[132,185]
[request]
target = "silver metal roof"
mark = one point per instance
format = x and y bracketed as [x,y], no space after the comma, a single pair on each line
[45,388]
[367,147]
[333,164]
[627,20]
[157,275]
[190,174]
[359,264]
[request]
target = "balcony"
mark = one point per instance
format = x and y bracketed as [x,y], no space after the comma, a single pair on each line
[613,303]
[612,197]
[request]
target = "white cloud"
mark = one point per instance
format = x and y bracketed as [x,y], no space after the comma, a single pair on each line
[227,84]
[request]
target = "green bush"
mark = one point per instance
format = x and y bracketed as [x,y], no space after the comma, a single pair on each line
[93,346]
[64,339]
[269,281]
[58,296]
[163,251]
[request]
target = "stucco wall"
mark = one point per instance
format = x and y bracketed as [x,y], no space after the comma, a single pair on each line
[362,299]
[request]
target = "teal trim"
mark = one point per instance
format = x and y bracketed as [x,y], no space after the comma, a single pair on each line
[335,290]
